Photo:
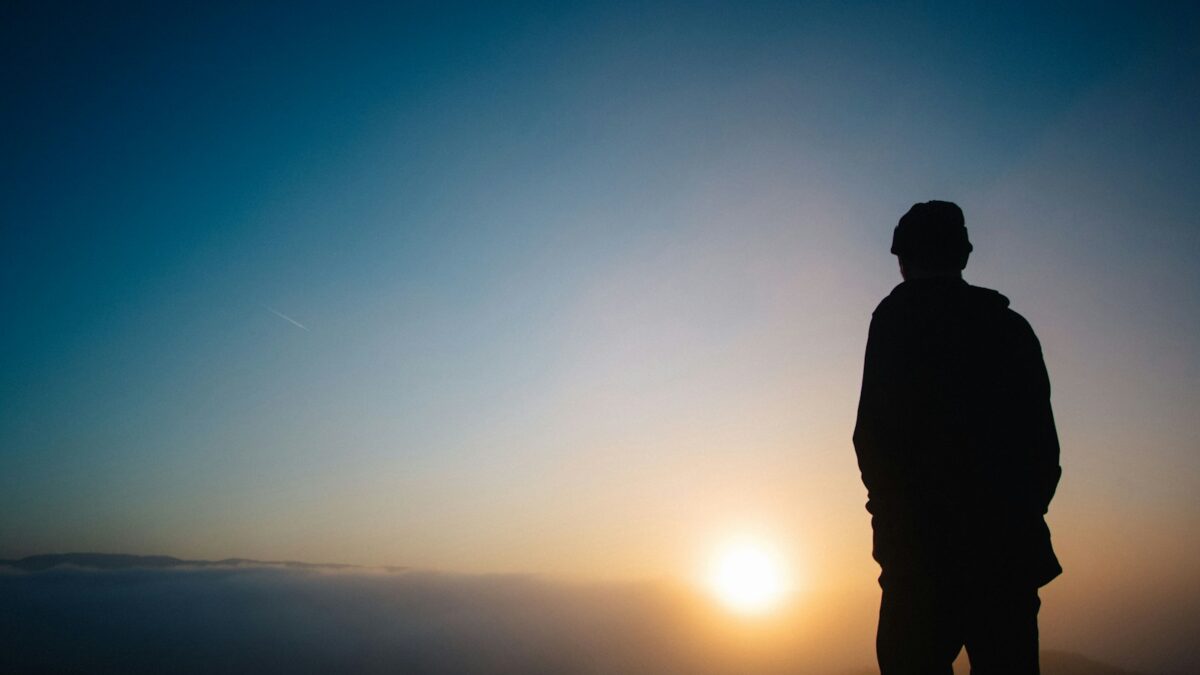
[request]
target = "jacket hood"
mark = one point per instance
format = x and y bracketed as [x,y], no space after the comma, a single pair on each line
[942,292]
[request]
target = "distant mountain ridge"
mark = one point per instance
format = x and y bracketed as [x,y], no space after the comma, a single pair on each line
[119,561]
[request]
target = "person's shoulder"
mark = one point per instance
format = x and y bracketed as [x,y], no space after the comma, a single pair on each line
[889,303]
[1000,305]
[882,308]
[887,319]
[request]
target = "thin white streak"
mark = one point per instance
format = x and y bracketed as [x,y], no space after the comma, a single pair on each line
[288,319]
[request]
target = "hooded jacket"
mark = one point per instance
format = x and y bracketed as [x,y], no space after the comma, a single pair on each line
[955,436]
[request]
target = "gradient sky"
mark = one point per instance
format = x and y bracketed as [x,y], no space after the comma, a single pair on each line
[573,289]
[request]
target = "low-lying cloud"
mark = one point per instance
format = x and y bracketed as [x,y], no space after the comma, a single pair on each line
[280,619]
[277,619]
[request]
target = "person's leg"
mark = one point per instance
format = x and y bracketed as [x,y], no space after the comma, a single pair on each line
[1002,631]
[919,633]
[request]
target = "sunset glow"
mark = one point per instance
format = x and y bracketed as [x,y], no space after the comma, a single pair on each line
[748,578]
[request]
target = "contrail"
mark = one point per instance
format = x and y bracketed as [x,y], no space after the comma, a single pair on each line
[288,319]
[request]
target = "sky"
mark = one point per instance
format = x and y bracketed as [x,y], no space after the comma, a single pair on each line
[579,289]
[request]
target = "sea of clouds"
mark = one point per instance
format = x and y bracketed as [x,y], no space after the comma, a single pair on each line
[269,619]
[260,618]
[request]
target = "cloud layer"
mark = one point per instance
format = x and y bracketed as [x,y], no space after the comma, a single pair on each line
[275,619]
[266,618]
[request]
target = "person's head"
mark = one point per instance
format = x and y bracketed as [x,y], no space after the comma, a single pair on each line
[931,241]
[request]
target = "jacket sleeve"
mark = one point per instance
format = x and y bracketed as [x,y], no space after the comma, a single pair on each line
[1043,435]
[877,429]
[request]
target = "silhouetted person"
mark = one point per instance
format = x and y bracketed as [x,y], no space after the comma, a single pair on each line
[957,446]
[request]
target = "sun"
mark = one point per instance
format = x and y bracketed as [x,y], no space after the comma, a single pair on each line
[747,577]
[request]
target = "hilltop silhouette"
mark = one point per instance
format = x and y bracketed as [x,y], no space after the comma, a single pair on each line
[1053,663]
[1067,663]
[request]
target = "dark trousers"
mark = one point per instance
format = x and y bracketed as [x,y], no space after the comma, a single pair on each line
[923,623]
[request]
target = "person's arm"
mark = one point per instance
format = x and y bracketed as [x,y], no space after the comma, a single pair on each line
[876,429]
[1044,439]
